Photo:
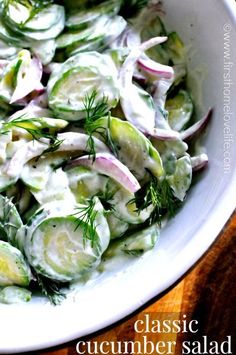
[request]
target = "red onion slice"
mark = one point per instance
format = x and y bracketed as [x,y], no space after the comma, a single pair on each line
[199,162]
[155,68]
[107,164]
[197,128]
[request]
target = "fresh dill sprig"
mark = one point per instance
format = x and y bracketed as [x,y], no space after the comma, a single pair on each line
[93,112]
[160,195]
[37,133]
[49,288]
[131,8]
[86,219]
[105,198]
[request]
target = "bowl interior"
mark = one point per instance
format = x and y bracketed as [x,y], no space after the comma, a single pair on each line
[121,290]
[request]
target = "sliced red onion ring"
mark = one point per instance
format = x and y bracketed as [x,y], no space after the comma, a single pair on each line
[29,81]
[199,162]
[164,134]
[107,164]
[197,128]
[155,68]
[136,111]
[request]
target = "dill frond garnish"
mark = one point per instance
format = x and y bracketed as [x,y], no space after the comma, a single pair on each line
[49,288]
[160,195]
[32,126]
[105,197]
[86,219]
[93,112]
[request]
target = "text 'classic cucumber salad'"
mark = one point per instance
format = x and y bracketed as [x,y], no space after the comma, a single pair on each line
[97,138]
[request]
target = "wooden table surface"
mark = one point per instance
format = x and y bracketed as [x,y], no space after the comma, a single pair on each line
[206,293]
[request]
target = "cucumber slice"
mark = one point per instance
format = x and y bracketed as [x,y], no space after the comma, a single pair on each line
[45,50]
[85,18]
[14,294]
[10,220]
[126,210]
[57,189]
[181,180]
[87,46]
[45,24]
[141,242]
[85,183]
[134,245]
[13,268]
[133,148]
[68,39]
[79,76]
[98,36]
[9,37]
[153,28]
[176,48]
[36,172]
[7,51]
[43,20]
[82,19]
[117,226]
[14,74]
[55,245]
[180,109]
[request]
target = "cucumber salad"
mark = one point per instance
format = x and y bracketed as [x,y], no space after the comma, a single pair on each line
[98,137]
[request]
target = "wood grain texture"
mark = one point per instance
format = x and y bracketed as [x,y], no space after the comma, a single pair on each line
[207,293]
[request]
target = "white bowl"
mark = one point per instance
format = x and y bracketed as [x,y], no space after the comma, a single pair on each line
[186,238]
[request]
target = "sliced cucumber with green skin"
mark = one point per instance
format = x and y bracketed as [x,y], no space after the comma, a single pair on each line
[117,226]
[84,18]
[103,32]
[79,76]
[8,79]
[175,48]
[10,220]
[38,27]
[125,209]
[154,28]
[43,20]
[7,51]
[10,38]
[97,44]
[55,246]
[14,294]
[44,50]
[36,172]
[13,268]
[87,46]
[180,109]
[70,38]
[85,183]
[57,189]
[141,242]
[13,74]
[135,245]
[133,148]
[181,180]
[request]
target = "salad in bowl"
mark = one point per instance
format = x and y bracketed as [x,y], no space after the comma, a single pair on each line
[98,137]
